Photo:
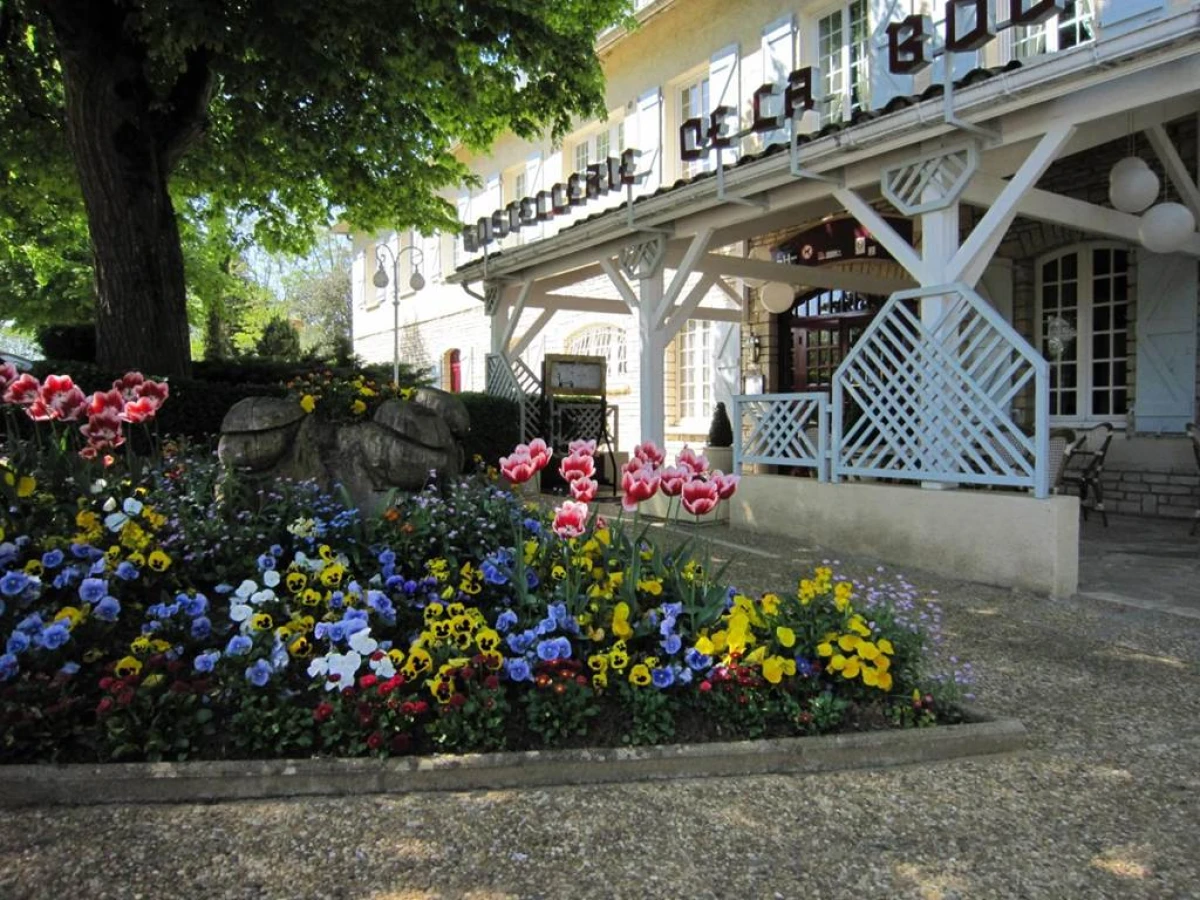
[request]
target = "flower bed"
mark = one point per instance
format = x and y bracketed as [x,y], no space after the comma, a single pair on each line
[147,614]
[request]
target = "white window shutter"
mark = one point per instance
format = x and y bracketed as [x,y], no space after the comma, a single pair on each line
[1166,342]
[724,89]
[535,180]
[649,139]
[779,60]
[1121,15]
[884,85]
[464,216]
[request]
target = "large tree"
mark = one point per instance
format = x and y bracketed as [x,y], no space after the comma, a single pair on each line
[284,112]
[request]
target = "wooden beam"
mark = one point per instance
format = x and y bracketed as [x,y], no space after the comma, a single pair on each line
[515,316]
[530,333]
[730,292]
[1176,169]
[618,280]
[680,314]
[808,276]
[1079,215]
[695,253]
[902,251]
[973,256]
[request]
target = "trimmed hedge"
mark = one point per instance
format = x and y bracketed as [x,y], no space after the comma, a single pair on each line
[495,427]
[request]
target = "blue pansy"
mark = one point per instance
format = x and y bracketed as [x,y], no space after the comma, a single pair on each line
[195,606]
[533,526]
[127,571]
[52,559]
[31,624]
[83,551]
[18,642]
[671,644]
[8,667]
[516,670]
[276,550]
[201,627]
[531,579]
[382,604]
[8,553]
[259,673]
[505,621]
[493,574]
[684,676]
[520,642]
[387,558]
[92,590]
[108,609]
[238,645]
[279,656]
[205,661]
[69,668]
[663,677]
[99,567]
[13,583]
[223,588]
[55,635]
[697,660]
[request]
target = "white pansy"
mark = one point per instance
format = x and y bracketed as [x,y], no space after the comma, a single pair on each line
[345,666]
[239,612]
[271,578]
[362,642]
[245,589]
[319,667]
[99,486]
[383,666]
[110,504]
[258,598]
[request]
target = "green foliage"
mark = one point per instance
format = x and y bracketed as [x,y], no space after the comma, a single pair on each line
[265,724]
[561,704]
[475,719]
[651,715]
[279,340]
[495,427]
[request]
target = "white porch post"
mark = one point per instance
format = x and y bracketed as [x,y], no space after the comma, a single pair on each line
[653,350]
[939,243]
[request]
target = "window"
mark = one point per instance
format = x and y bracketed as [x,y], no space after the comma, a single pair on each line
[1083,311]
[620,137]
[843,51]
[602,340]
[697,350]
[693,104]
[1075,25]
[581,156]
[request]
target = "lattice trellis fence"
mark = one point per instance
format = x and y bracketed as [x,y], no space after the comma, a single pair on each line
[931,400]
[517,382]
[781,430]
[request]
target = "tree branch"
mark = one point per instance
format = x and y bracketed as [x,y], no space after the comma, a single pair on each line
[186,108]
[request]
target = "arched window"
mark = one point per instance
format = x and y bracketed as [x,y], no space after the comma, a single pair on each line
[602,340]
[1083,310]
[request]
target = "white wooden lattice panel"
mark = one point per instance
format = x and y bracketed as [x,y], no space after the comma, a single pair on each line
[517,382]
[932,401]
[781,430]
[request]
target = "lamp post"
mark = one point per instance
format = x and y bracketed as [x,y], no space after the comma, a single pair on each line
[416,282]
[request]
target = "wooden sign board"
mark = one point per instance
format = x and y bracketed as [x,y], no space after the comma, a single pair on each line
[577,375]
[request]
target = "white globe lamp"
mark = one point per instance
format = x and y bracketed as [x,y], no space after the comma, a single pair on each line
[776,297]
[1166,227]
[1132,185]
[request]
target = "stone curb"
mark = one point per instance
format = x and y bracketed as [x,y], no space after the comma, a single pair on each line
[200,782]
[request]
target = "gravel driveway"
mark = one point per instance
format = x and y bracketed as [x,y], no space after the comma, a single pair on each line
[1105,803]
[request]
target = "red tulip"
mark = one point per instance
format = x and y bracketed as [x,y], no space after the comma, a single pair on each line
[582,448]
[637,484]
[140,410]
[691,460]
[647,452]
[570,519]
[577,465]
[23,391]
[584,489]
[8,374]
[726,484]
[673,480]
[518,468]
[154,392]
[700,496]
[128,384]
[103,401]
[539,453]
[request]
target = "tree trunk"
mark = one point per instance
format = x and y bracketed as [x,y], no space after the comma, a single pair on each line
[123,165]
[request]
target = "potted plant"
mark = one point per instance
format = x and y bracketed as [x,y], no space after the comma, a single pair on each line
[719,448]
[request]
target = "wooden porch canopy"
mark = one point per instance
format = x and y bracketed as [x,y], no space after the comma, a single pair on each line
[987,147]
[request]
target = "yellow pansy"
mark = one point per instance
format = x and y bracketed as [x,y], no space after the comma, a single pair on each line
[885,681]
[158,561]
[870,676]
[127,666]
[620,622]
[261,622]
[775,667]
[867,650]
[848,642]
[358,407]
[26,485]
[705,645]
[308,403]
[72,615]
[837,663]
[882,663]
[597,663]
[331,576]
[640,675]
[825,649]
[600,680]
[859,626]
[33,568]
[851,669]
[885,646]
[153,680]
[770,605]
[785,636]
[618,657]
[140,645]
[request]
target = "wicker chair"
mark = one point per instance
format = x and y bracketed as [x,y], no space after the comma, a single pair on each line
[1084,467]
[1193,431]
[1061,440]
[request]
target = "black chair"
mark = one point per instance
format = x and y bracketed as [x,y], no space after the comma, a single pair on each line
[1084,467]
[1193,431]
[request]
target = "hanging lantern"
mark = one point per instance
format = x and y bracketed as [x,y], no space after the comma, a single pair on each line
[1166,227]
[776,297]
[1132,185]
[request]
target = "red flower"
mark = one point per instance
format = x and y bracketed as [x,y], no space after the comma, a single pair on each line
[581,448]
[104,706]
[700,496]
[466,673]
[154,392]
[105,683]
[584,489]
[648,453]
[138,411]
[420,708]
[705,687]
[106,401]
[726,484]
[673,480]
[458,700]
[692,461]
[125,697]
[518,468]
[491,682]
[38,410]
[22,391]
[368,681]
[375,740]
[60,399]
[8,374]
[577,465]
[322,712]
[638,482]
[539,453]
[570,519]
[128,384]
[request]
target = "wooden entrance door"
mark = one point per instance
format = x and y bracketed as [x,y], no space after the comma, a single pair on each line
[824,326]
